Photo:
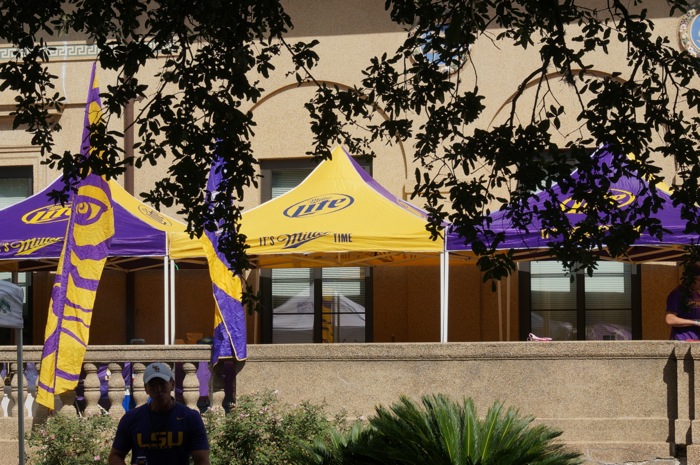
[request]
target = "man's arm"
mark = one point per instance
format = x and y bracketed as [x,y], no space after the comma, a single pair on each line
[200,457]
[117,457]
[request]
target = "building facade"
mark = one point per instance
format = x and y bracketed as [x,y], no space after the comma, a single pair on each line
[379,304]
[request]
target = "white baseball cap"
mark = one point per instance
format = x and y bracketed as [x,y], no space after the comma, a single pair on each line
[157,370]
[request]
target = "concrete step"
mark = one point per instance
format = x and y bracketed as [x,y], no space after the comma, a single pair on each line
[9,446]
[9,451]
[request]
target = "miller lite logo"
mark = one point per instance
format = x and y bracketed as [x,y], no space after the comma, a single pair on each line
[621,197]
[154,215]
[47,214]
[319,205]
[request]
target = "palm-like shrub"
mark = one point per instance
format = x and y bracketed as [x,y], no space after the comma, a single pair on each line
[438,431]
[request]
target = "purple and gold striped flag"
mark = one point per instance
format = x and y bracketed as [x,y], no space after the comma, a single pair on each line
[88,235]
[229,314]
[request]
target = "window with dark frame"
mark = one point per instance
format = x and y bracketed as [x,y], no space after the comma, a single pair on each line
[605,306]
[308,305]
[16,184]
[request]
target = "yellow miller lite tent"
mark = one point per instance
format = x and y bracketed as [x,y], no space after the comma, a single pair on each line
[338,216]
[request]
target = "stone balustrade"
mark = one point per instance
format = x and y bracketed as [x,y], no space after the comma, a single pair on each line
[616,402]
[186,360]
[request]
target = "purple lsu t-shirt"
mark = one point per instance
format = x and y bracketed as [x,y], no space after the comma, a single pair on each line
[163,438]
[674,304]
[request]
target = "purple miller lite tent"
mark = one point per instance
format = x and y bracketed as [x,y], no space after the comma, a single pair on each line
[32,232]
[534,243]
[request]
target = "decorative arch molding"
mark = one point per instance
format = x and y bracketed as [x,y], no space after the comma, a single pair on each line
[280,90]
[534,82]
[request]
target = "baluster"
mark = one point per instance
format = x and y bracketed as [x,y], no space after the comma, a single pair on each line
[140,396]
[65,404]
[31,386]
[204,377]
[116,390]
[40,413]
[190,385]
[13,408]
[237,366]
[91,386]
[229,385]
[218,384]
[12,405]
[2,390]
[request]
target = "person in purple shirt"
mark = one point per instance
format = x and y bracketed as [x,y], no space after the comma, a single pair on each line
[683,307]
[160,432]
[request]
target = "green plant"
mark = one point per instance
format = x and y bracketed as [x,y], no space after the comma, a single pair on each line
[440,431]
[261,430]
[64,440]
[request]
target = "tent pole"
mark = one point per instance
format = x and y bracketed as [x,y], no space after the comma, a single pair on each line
[508,308]
[172,301]
[166,303]
[20,397]
[500,313]
[444,286]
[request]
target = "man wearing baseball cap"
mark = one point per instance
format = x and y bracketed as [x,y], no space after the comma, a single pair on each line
[161,432]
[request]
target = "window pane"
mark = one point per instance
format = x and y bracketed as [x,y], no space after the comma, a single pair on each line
[294,328]
[15,186]
[606,303]
[286,180]
[560,326]
[609,302]
[609,287]
[292,282]
[551,288]
[12,190]
[349,282]
[609,325]
[292,289]
[292,306]
[343,317]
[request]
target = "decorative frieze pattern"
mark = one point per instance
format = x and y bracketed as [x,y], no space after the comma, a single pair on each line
[57,51]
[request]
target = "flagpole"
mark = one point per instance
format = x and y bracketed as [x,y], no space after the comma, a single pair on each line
[20,382]
[508,307]
[500,313]
[12,317]
[20,397]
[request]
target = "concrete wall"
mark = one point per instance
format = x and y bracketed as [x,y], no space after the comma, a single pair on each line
[616,402]
[350,33]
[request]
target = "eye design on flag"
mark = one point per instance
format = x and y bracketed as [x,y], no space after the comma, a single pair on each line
[89,211]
